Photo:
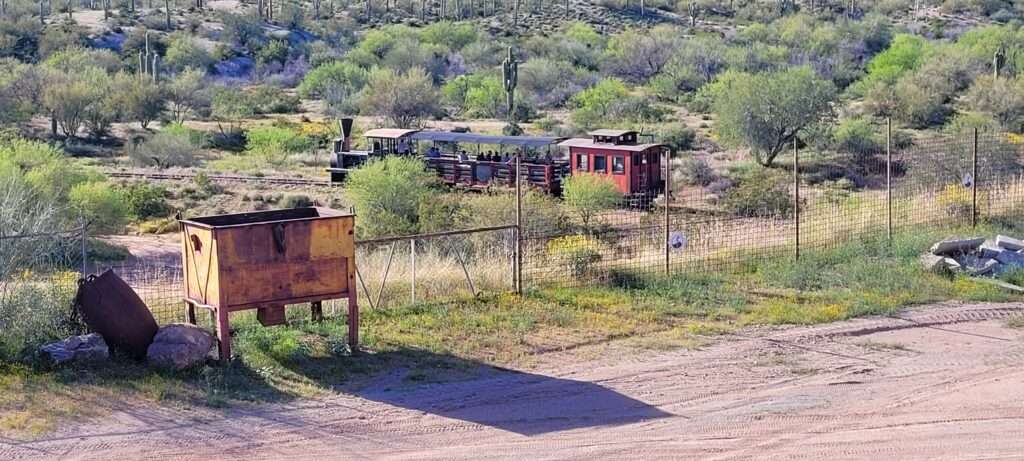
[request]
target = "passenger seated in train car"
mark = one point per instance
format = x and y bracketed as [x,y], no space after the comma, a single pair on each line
[480,157]
[376,147]
[433,152]
[506,157]
[495,157]
[462,156]
[403,146]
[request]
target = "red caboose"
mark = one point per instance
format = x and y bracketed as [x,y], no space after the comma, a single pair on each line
[635,168]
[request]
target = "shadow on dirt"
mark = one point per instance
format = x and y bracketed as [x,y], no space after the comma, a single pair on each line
[515,401]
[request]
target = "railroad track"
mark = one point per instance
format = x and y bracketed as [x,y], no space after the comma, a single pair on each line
[220,178]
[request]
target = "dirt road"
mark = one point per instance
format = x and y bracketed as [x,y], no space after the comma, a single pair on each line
[943,382]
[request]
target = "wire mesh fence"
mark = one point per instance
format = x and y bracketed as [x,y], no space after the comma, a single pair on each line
[38,281]
[809,199]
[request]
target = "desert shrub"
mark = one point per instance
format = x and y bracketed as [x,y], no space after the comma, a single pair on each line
[338,79]
[296,201]
[678,137]
[545,83]
[857,135]
[588,195]
[100,204]
[692,171]
[403,98]
[164,150]
[205,186]
[762,192]
[1003,98]
[273,100]
[275,145]
[273,51]
[387,194]
[453,36]
[185,52]
[576,253]
[34,313]
[146,201]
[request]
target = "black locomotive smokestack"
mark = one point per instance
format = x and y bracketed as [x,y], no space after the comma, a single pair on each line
[346,134]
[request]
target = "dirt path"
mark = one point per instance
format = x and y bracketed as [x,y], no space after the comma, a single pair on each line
[938,383]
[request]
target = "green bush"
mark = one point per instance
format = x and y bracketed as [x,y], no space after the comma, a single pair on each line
[101,204]
[146,201]
[340,79]
[590,194]
[387,195]
[275,145]
[164,150]
[763,192]
[859,138]
[678,137]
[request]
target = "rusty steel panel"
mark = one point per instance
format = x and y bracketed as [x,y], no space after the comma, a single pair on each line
[111,308]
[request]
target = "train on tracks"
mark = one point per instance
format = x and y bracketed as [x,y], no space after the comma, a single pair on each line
[476,161]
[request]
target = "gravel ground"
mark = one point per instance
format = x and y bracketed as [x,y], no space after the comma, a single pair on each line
[939,382]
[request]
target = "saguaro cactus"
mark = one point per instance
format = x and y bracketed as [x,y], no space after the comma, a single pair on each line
[998,61]
[509,79]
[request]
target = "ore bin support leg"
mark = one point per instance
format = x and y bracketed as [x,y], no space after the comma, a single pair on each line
[223,335]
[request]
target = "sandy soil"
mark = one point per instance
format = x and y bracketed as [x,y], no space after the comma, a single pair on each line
[944,382]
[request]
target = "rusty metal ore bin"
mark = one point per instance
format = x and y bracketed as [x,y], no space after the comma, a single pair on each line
[266,260]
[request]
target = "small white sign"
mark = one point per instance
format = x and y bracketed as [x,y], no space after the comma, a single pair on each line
[968,180]
[677,241]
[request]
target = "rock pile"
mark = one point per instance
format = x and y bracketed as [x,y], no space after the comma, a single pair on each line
[976,257]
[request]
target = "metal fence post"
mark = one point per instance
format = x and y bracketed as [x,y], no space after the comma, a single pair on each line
[974,181]
[668,215]
[85,244]
[412,257]
[796,195]
[519,230]
[888,179]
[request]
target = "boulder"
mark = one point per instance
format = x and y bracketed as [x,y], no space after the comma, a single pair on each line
[90,347]
[956,246]
[1009,243]
[179,346]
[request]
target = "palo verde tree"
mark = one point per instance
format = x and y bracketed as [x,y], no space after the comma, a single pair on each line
[404,99]
[765,111]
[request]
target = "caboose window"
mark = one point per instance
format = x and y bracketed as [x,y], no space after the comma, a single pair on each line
[581,162]
[618,165]
[600,164]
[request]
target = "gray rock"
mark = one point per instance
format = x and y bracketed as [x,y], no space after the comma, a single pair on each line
[179,346]
[1009,243]
[1010,258]
[956,246]
[952,264]
[90,347]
